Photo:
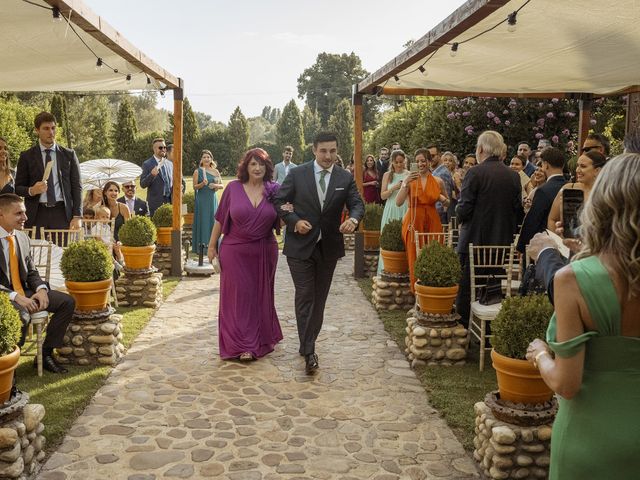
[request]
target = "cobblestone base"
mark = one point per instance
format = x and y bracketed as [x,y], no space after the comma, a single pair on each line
[21,440]
[435,340]
[506,451]
[371,263]
[349,241]
[93,339]
[392,293]
[137,290]
[162,259]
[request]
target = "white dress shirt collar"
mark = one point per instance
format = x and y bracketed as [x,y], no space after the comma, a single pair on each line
[317,168]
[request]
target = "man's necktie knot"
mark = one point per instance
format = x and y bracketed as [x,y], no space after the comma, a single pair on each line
[323,185]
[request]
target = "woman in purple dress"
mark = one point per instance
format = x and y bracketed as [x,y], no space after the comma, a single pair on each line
[248,326]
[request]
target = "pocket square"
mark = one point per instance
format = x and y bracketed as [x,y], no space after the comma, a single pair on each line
[339,188]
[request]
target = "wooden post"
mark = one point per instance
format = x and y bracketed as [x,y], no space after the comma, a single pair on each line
[584,123]
[358,259]
[633,112]
[176,194]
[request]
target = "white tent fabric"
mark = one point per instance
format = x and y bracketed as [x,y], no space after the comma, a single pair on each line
[40,54]
[582,46]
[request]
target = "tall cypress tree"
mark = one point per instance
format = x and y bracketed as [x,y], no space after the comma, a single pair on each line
[341,123]
[100,128]
[125,132]
[289,130]
[311,124]
[59,110]
[190,136]
[238,133]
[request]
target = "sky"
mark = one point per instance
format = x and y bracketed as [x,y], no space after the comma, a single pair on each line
[249,53]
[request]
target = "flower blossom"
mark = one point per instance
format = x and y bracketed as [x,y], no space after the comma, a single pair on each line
[491,114]
[451,115]
[505,112]
[555,139]
[566,132]
[540,122]
[555,100]
[550,115]
[496,120]
[593,121]
[539,136]
[466,114]
[507,123]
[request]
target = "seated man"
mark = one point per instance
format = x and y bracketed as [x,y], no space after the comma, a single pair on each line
[21,280]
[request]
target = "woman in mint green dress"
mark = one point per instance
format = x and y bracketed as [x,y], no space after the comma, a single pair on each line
[206,182]
[595,336]
[391,181]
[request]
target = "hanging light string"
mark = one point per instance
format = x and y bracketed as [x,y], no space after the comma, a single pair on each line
[510,19]
[100,63]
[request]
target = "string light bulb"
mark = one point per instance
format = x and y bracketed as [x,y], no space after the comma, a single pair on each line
[454,49]
[511,21]
[423,70]
[397,79]
[128,79]
[57,16]
[99,64]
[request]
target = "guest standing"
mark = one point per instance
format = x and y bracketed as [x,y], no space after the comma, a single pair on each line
[157,176]
[136,205]
[206,182]
[248,325]
[595,336]
[370,181]
[391,183]
[118,210]
[282,168]
[423,191]
[7,182]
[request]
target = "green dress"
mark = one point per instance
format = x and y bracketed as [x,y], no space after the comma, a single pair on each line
[391,210]
[596,434]
[206,204]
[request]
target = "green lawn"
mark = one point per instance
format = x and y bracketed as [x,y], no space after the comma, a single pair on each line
[452,390]
[65,396]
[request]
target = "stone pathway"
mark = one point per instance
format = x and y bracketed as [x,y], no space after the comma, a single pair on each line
[173,409]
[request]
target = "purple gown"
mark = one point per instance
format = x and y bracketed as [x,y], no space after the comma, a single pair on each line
[247,319]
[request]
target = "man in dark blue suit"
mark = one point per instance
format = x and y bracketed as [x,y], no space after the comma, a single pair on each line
[157,176]
[136,205]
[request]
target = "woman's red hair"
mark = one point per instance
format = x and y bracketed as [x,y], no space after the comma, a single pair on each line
[263,159]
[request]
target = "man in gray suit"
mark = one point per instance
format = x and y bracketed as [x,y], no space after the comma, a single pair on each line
[318,191]
[283,168]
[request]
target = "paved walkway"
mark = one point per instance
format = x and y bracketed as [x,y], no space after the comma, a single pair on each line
[173,409]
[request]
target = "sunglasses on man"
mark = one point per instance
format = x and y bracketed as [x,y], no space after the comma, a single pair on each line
[588,149]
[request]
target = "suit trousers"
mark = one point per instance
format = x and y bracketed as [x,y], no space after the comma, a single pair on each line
[62,306]
[49,218]
[312,280]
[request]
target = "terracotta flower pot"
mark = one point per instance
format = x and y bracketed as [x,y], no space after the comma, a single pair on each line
[8,364]
[394,262]
[435,299]
[371,239]
[164,236]
[90,295]
[519,381]
[188,218]
[138,258]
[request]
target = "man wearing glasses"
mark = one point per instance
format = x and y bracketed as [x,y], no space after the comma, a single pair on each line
[157,176]
[596,142]
[136,206]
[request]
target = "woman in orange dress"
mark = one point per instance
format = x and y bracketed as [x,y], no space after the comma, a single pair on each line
[421,215]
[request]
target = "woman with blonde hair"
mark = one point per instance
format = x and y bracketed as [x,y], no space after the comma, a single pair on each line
[592,355]
[7,175]
[206,182]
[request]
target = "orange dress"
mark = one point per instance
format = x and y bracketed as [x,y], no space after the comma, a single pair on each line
[421,216]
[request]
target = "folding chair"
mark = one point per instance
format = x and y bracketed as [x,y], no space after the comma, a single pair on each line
[61,237]
[41,256]
[31,232]
[517,267]
[102,230]
[423,239]
[485,262]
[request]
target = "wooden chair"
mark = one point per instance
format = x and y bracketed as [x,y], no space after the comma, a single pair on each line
[485,262]
[453,222]
[517,267]
[61,237]
[41,256]
[31,232]
[423,239]
[99,229]
[455,236]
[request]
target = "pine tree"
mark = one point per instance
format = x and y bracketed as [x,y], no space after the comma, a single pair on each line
[238,133]
[311,124]
[341,123]
[125,132]
[59,110]
[190,136]
[289,131]
[100,127]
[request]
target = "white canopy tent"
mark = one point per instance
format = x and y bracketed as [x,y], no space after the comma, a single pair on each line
[42,53]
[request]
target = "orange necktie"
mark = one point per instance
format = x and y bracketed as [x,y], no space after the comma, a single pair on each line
[13,266]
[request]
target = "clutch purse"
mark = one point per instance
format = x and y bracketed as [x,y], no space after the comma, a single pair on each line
[216,265]
[491,293]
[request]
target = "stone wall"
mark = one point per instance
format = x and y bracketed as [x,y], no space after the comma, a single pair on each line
[505,450]
[434,339]
[139,288]
[371,263]
[21,440]
[162,259]
[93,338]
[392,292]
[349,241]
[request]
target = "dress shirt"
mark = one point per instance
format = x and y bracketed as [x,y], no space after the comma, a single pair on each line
[5,248]
[317,169]
[54,173]
[131,203]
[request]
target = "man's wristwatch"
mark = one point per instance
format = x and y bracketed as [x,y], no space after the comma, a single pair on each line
[355,222]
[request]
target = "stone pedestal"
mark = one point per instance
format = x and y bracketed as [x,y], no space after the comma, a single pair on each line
[139,288]
[349,241]
[162,259]
[371,263]
[391,291]
[187,235]
[434,339]
[93,338]
[21,440]
[506,450]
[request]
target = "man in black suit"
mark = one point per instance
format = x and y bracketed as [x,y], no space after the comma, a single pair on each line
[536,220]
[318,192]
[21,280]
[136,205]
[55,202]
[489,209]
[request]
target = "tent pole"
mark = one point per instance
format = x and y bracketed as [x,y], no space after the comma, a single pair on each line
[584,122]
[358,259]
[633,112]
[176,194]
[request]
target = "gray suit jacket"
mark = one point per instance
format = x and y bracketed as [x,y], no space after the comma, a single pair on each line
[280,172]
[29,276]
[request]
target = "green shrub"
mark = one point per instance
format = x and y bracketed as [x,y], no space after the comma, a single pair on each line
[391,237]
[521,320]
[86,261]
[372,216]
[189,199]
[163,216]
[10,325]
[138,231]
[437,266]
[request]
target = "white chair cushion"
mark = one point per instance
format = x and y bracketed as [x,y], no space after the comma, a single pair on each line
[485,312]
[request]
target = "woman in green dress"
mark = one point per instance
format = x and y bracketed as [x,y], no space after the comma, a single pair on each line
[595,336]
[391,182]
[206,181]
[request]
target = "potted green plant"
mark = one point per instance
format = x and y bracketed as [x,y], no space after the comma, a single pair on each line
[437,272]
[520,320]
[10,331]
[371,225]
[189,199]
[163,219]
[392,249]
[87,267]
[138,236]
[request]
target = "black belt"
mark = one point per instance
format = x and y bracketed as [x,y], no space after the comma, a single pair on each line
[51,205]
